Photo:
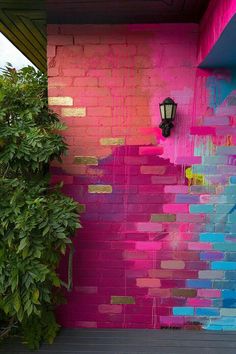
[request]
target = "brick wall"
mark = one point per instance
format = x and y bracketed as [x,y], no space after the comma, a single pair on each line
[157,245]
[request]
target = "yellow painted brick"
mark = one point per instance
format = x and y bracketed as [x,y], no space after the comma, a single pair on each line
[122,300]
[73,112]
[112,141]
[163,218]
[60,101]
[100,188]
[86,160]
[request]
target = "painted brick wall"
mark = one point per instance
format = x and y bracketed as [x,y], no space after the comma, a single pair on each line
[157,248]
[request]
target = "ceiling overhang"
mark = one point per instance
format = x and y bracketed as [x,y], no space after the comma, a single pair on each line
[125,11]
[24,24]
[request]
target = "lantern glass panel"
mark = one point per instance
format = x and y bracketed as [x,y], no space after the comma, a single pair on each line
[162,108]
[169,108]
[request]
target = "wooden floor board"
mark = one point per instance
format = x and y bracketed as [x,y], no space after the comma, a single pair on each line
[125,341]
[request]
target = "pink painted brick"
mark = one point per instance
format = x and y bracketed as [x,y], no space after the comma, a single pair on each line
[148,226]
[199,246]
[177,189]
[188,160]
[148,283]
[175,208]
[51,50]
[209,293]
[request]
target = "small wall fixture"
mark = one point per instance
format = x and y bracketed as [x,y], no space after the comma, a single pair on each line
[168,110]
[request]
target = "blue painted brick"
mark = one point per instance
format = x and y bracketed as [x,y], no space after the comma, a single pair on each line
[214,160]
[232,180]
[183,311]
[211,256]
[230,256]
[201,208]
[226,150]
[204,311]
[198,283]
[224,284]
[230,275]
[228,294]
[212,237]
[223,265]
[229,303]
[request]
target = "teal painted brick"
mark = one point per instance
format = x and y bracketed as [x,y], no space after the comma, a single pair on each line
[228,312]
[204,169]
[183,311]
[232,218]
[217,218]
[230,190]
[225,247]
[201,208]
[212,237]
[224,208]
[221,265]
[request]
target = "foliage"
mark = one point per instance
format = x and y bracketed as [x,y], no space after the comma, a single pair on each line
[36,218]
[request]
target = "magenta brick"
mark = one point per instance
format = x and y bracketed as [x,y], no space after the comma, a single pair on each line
[153,151]
[203,130]
[175,208]
[164,180]
[199,302]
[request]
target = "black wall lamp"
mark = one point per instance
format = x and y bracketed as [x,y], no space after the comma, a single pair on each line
[168,110]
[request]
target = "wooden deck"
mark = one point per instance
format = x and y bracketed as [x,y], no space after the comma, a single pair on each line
[125,341]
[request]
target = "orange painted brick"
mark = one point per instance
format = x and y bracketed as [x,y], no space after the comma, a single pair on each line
[153,170]
[93,50]
[111,82]
[99,112]
[51,50]
[73,72]
[86,82]
[87,39]
[148,283]
[59,81]
[60,39]
[124,50]
[172,264]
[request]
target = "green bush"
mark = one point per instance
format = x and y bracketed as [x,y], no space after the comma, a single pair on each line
[37,220]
